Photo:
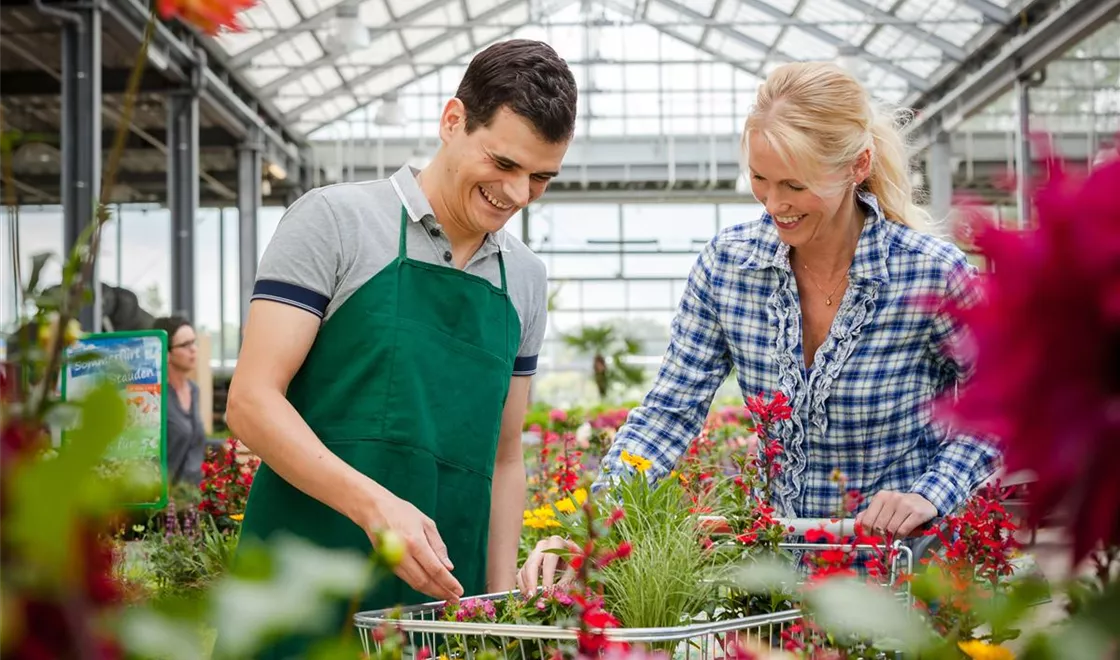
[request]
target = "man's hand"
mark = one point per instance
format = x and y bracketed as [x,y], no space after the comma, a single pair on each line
[897,514]
[425,565]
[543,563]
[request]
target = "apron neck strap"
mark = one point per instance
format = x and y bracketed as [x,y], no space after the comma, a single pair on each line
[402,249]
[502,269]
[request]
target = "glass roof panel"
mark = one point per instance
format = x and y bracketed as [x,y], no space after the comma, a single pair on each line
[384,81]
[286,103]
[263,75]
[787,6]
[449,14]
[803,46]
[700,6]
[312,7]
[300,50]
[659,13]
[284,13]
[380,50]
[373,14]
[842,20]
[259,16]
[414,37]
[235,42]
[476,7]
[514,16]
[751,21]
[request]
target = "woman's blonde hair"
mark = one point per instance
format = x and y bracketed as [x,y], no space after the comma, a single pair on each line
[819,119]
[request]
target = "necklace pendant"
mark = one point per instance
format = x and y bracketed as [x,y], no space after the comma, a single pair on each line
[828,301]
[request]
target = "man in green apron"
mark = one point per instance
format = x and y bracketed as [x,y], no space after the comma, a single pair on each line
[384,372]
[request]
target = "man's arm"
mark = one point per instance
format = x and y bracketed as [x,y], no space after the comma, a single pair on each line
[276,341]
[507,503]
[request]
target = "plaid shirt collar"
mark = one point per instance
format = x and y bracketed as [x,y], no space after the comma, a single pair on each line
[870,263]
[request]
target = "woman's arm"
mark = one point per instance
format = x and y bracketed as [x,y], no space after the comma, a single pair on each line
[963,461]
[695,365]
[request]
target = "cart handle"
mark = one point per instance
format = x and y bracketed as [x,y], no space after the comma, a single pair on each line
[799,526]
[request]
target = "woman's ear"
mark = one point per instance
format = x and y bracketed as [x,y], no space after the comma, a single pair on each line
[861,170]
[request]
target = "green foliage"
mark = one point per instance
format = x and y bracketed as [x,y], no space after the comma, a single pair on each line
[608,351]
[663,581]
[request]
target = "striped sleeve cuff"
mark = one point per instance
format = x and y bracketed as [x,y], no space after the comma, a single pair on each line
[525,365]
[291,294]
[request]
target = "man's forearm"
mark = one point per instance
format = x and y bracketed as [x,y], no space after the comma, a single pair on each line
[507,510]
[270,427]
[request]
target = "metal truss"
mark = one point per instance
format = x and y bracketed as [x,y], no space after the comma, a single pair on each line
[984,77]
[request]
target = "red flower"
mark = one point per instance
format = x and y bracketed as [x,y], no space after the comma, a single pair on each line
[1047,346]
[768,412]
[210,16]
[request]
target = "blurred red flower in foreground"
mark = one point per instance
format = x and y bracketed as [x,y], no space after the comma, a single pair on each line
[1047,351]
[210,16]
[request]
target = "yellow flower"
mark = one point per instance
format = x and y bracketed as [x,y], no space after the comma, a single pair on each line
[637,462]
[978,650]
[540,518]
[238,517]
[567,505]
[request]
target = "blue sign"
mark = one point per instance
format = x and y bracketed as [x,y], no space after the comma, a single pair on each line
[137,363]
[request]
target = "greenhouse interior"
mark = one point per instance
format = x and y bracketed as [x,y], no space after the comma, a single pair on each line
[170,150]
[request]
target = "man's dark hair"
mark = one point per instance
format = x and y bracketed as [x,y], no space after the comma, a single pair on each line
[530,79]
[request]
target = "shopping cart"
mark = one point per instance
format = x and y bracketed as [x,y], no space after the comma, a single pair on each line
[423,626]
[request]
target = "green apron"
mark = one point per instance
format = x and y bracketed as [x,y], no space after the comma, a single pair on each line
[406,382]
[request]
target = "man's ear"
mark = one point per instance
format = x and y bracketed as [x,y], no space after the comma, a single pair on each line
[453,119]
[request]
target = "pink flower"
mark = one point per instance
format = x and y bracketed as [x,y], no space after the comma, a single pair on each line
[557,415]
[1047,345]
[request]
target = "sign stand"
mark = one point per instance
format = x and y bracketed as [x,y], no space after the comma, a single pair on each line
[137,361]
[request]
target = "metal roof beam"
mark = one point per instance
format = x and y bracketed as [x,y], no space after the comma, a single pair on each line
[989,10]
[914,80]
[978,82]
[948,48]
[749,42]
[246,56]
[326,59]
[406,59]
[404,84]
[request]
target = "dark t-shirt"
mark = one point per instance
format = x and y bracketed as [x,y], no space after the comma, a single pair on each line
[185,438]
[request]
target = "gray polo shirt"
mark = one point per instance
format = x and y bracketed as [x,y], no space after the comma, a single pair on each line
[332,240]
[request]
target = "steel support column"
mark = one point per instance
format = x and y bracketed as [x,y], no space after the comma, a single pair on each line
[1023,152]
[939,172]
[182,197]
[81,136]
[248,211]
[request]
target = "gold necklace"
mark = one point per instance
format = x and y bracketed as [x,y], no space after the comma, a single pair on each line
[828,296]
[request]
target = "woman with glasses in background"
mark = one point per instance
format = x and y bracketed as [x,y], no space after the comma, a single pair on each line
[186,437]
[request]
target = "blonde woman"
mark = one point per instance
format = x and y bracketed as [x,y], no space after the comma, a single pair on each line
[820,298]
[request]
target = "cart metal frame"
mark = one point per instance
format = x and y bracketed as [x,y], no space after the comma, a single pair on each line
[697,640]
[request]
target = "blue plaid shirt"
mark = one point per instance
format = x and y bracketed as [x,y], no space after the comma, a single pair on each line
[862,408]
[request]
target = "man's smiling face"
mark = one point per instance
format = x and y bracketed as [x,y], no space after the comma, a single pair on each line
[497,169]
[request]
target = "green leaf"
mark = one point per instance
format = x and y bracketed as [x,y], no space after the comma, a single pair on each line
[765,573]
[49,495]
[849,607]
[298,597]
[147,633]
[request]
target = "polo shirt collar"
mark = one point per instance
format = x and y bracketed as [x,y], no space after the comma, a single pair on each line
[419,209]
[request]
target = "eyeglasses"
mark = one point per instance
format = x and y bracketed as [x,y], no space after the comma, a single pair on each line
[185,344]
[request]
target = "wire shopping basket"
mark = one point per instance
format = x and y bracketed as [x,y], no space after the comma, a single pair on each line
[423,626]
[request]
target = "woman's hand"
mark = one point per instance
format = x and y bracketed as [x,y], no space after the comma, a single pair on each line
[897,514]
[543,561]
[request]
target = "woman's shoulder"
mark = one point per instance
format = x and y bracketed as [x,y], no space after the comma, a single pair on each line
[922,249]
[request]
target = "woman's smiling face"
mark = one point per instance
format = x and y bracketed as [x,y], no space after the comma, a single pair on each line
[799,213]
